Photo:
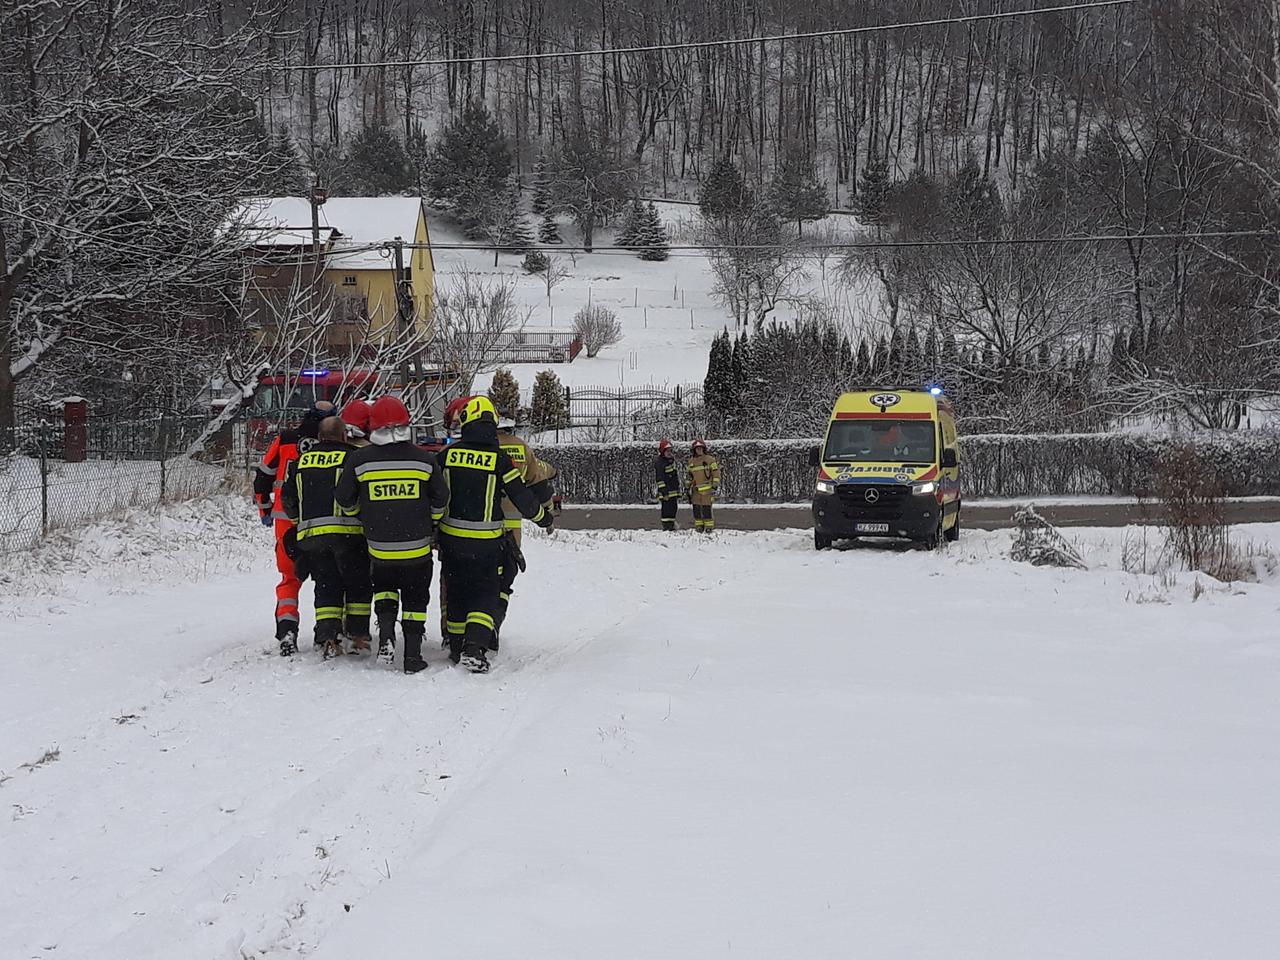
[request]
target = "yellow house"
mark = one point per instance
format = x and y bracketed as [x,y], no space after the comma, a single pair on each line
[351,245]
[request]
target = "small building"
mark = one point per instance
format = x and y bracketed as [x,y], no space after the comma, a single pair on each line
[348,249]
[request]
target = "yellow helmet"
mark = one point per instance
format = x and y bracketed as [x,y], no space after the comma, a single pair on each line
[477,407]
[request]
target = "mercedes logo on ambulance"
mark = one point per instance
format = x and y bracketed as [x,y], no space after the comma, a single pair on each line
[872,495]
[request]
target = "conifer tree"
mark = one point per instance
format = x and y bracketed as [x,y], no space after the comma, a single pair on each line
[652,241]
[541,186]
[724,196]
[505,393]
[718,387]
[632,224]
[873,193]
[548,229]
[795,194]
[548,409]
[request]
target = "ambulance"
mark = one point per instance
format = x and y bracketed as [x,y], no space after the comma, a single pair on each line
[888,467]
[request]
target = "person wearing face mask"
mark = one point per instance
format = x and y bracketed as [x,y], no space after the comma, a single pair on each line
[398,491]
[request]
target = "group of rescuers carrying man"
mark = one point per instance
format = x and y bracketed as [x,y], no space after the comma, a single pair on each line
[358,506]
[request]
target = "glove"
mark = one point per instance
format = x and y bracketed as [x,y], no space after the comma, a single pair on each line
[547,522]
[266,519]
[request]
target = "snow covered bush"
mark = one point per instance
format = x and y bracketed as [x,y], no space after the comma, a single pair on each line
[597,327]
[992,465]
[535,261]
[1039,543]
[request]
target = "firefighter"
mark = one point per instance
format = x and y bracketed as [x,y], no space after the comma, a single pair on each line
[356,417]
[267,484]
[399,493]
[667,475]
[704,484]
[538,476]
[472,551]
[331,541]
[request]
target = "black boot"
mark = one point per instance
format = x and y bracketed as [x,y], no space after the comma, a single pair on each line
[474,659]
[413,662]
[386,641]
[287,636]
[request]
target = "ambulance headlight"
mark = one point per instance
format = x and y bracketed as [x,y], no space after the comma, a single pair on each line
[826,486]
[922,489]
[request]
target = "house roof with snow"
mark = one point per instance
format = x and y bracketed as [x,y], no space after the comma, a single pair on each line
[346,223]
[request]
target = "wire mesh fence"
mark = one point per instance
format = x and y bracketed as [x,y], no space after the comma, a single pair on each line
[55,475]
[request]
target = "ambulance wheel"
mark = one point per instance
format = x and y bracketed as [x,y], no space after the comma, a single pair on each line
[934,540]
[822,541]
[953,533]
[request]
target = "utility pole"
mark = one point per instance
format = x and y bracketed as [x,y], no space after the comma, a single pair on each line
[404,310]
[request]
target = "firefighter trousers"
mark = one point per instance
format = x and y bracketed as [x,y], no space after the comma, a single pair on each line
[669,506]
[339,565]
[702,519]
[409,583]
[470,571]
[287,588]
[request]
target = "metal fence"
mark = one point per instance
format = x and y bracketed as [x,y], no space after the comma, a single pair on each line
[124,464]
[605,415]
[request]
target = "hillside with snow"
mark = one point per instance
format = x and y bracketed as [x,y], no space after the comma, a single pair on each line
[687,748]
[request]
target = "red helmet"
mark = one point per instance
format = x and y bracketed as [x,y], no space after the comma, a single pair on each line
[699,443]
[664,446]
[388,412]
[454,410]
[356,415]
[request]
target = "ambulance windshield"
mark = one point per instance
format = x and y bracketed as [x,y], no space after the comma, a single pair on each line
[881,441]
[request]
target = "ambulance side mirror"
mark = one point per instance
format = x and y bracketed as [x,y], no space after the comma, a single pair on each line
[949,458]
[815,456]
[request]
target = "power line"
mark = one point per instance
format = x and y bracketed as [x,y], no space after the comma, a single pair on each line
[701,44]
[866,244]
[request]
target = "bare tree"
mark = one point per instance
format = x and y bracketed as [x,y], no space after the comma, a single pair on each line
[124,144]
[597,327]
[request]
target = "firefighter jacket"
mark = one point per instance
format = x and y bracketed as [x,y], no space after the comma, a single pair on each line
[399,493]
[704,479]
[310,492]
[268,482]
[536,474]
[480,473]
[668,476]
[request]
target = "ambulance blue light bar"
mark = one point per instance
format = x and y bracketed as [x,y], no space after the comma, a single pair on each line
[321,372]
[936,391]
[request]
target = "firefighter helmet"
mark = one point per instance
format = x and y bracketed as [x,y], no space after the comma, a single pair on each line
[478,407]
[356,416]
[388,412]
[663,446]
[454,410]
[696,444]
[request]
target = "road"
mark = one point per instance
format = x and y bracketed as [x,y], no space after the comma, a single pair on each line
[977,515]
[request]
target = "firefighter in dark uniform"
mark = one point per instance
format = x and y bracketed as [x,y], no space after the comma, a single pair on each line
[331,541]
[268,483]
[667,475]
[472,532]
[399,493]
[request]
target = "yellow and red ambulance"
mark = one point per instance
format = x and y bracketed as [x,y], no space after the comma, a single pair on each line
[888,467]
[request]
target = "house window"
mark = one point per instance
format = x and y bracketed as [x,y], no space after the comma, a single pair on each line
[349,280]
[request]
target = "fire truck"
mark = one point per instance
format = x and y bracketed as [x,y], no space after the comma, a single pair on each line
[282,398]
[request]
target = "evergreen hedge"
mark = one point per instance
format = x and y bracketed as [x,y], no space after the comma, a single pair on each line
[992,465]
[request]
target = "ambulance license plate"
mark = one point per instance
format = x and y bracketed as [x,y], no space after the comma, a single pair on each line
[871,527]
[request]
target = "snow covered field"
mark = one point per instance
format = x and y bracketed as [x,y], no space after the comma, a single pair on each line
[688,748]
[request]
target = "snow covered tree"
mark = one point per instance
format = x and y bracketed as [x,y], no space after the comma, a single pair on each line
[548,408]
[717,387]
[470,163]
[873,192]
[724,196]
[588,183]
[549,229]
[502,222]
[794,193]
[972,202]
[652,240]
[597,327]
[541,186]
[376,164]
[505,393]
[123,154]
[632,224]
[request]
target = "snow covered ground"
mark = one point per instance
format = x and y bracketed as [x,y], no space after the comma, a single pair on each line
[688,748]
